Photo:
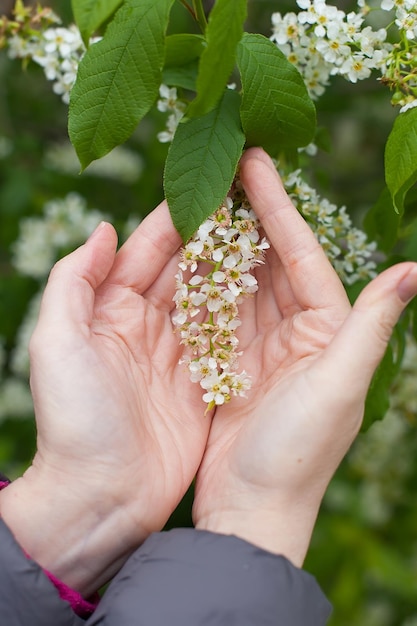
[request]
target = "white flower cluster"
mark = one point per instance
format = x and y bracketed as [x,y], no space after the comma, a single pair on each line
[385,475]
[6,147]
[15,399]
[230,246]
[120,164]
[19,358]
[169,103]
[66,223]
[346,246]
[375,454]
[399,72]
[322,41]
[58,50]
[405,15]
[2,356]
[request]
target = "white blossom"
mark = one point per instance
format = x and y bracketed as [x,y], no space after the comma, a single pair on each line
[15,399]
[57,50]
[19,362]
[66,222]
[6,147]
[219,260]
[169,102]
[323,41]
[120,164]
[2,356]
[409,105]
[346,246]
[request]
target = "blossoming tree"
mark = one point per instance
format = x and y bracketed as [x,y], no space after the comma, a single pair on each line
[220,90]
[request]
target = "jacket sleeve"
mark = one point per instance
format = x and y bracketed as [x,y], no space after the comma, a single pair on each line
[27,597]
[188,577]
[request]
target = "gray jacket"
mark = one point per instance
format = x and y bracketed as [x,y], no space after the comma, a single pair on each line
[183,577]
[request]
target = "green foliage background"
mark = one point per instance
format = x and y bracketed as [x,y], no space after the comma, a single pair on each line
[365,559]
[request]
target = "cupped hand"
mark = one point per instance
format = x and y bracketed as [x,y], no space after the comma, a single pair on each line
[121,429]
[270,457]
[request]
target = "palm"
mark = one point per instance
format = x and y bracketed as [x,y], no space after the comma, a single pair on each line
[286,327]
[163,408]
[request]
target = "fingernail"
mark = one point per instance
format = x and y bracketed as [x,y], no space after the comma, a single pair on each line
[96,230]
[407,288]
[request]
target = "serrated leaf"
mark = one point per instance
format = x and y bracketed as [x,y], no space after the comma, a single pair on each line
[381,223]
[413,309]
[201,164]
[410,247]
[89,15]
[322,139]
[182,52]
[182,49]
[182,76]
[378,398]
[118,79]
[276,111]
[401,157]
[224,31]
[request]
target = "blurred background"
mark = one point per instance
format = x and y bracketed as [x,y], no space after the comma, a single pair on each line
[364,549]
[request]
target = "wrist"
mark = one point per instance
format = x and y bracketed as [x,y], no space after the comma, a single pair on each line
[81,539]
[285,531]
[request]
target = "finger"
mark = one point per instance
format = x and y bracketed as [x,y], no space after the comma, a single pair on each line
[261,312]
[360,344]
[141,259]
[314,282]
[280,287]
[68,299]
[161,292]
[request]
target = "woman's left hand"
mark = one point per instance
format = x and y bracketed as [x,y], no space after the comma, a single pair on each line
[270,457]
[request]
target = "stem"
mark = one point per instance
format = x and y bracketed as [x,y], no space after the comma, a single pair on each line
[189,9]
[200,16]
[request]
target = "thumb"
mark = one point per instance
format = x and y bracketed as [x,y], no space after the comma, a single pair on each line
[69,295]
[360,344]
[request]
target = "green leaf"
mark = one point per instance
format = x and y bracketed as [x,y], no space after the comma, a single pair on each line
[386,567]
[378,398]
[182,76]
[277,112]
[322,139]
[223,32]
[118,79]
[401,157]
[182,52]
[201,164]
[410,248]
[89,15]
[183,48]
[381,223]
[413,308]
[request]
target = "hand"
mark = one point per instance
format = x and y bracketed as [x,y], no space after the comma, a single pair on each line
[270,457]
[121,429]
